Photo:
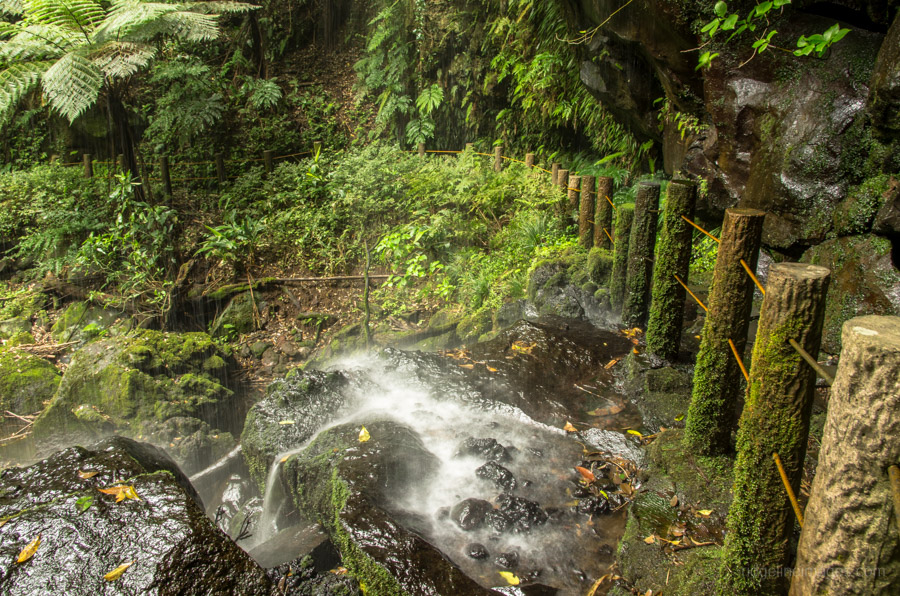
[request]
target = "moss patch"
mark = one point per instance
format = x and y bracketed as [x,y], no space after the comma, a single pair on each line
[26,382]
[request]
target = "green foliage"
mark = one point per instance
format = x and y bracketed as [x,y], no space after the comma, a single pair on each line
[757,22]
[233,240]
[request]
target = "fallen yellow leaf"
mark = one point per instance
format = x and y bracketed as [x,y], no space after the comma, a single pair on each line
[86,475]
[29,550]
[283,459]
[569,427]
[510,577]
[469,366]
[491,369]
[286,422]
[635,350]
[121,492]
[117,572]
[651,539]
[704,512]
[611,363]
[635,433]
[364,435]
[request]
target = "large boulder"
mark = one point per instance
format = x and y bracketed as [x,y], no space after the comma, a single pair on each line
[864,281]
[84,534]
[83,321]
[26,382]
[166,388]
[348,485]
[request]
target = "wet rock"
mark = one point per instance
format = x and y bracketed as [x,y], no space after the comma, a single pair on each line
[863,281]
[498,521]
[477,551]
[13,326]
[508,560]
[142,385]
[500,476]
[611,442]
[26,382]
[887,220]
[593,505]
[469,514]
[348,486]
[174,546]
[523,514]
[484,449]
[286,418]
[884,94]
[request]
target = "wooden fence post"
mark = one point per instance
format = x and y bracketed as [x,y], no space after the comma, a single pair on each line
[624,219]
[573,192]
[672,258]
[220,168]
[850,542]
[554,173]
[498,159]
[269,160]
[88,162]
[717,377]
[775,421]
[529,161]
[586,212]
[641,244]
[562,181]
[421,149]
[603,212]
[164,174]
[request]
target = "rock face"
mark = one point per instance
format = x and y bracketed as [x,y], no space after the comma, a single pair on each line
[865,281]
[347,484]
[168,389]
[85,534]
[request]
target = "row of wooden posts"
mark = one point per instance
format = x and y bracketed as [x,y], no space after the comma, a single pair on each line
[268,160]
[842,550]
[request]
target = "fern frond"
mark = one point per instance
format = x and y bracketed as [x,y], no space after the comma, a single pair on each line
[34,42]
[191,26]
[217,7]
[127,19]
[74,15]
[121,59]
[72,85]
[12,8]
[17,80]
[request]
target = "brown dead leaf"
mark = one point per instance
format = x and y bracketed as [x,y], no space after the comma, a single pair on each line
[611,363]
[29,550]
[586,474]
[86,475]
[674,501]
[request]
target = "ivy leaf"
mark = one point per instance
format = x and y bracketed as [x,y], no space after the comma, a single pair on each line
[29,550]
[117,572]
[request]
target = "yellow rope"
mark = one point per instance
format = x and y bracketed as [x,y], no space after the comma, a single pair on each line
[610,202]
[787,487]
[753,277]
[611,241]
[739,361]
[694,296]
[699,228]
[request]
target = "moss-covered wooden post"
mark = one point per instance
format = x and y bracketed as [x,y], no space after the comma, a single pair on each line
[164,174]
[641,244]
[775,420]
[562,181]
[850,543]
[717,377]
[554,173]
[498,158]
[269,160]
[573,192]
[586,212]
[673,257]
[603,212]
[624,219]
[220,168]
[421,149]
[88,162]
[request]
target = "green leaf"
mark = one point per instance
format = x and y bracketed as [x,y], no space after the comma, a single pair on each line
[730,22]
[84,503]
[720,9]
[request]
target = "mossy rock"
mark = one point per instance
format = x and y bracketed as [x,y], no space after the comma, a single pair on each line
[133,385]
[864,281]
[856,213]
[14,326]
[599,265]
[21,338]
[667,380]
[23,305]
[286,418]
[347,486]
[26,382]
[83,321]
[474,325]
[238,317]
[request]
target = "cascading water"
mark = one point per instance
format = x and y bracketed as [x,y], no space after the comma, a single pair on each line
[491,455]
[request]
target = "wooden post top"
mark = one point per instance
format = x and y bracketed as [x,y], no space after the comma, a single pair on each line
[879,332]
[798,271]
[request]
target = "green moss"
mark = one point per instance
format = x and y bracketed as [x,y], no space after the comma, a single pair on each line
[26,382]
[599,265]
[857,212]
[624,218]
[20,339]
[476,324]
